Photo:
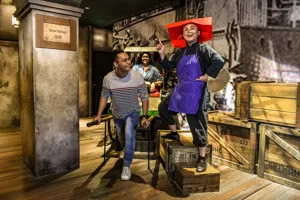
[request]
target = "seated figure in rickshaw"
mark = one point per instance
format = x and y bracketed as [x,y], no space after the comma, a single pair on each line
[152,77]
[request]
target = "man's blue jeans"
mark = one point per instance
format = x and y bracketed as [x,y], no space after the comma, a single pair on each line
[131,121]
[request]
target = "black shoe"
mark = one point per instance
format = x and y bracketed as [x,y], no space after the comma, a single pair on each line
[201,166]
[171,136]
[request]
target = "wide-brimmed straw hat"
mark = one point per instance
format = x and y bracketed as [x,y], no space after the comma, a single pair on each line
[219,83]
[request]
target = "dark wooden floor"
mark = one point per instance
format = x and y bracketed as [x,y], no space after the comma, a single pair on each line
[95,181]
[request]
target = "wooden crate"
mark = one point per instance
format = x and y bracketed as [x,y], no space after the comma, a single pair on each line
[242,95]
[179,154]
[279,155]
[234,142]
[274,103]
[241,90]
[190,181]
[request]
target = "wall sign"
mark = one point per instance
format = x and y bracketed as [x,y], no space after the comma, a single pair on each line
[56,33]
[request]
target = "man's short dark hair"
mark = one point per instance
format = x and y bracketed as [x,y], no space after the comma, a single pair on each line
[115,54]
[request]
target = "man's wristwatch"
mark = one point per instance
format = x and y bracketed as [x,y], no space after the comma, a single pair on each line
[146,116]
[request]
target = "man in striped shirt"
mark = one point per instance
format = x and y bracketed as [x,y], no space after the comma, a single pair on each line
[124,86]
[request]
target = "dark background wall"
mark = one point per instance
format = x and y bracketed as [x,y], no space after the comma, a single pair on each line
[83,70]
[9,67]
[9,86]
[7,32]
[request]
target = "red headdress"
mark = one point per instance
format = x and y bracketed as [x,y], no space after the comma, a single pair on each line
[176,29]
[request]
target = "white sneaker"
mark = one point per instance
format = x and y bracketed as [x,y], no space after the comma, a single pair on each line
[126,174]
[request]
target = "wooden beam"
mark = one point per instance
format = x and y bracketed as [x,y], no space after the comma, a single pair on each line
[229,148]
[273,103]
[226,118]
[262,149]
[298,108]
[283,90]
[291,150]
[253,144]
[282,181]
[9,43]
[140,49]
[244,102]
[283,130]
[273,116]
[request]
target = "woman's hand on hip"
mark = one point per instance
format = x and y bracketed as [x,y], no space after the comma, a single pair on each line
[203,78]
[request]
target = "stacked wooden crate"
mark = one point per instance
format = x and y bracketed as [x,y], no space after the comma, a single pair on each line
[276,107]
[179,154]
[190,181]
[279,155]
[179,159]
[234,142]
[274,103]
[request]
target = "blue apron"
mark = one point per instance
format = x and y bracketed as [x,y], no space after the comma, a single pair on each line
[187,93]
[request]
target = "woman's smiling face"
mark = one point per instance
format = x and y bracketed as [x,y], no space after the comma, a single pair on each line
[145,59]
[191,33]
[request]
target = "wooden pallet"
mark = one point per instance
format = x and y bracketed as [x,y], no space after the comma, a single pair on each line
[279,155]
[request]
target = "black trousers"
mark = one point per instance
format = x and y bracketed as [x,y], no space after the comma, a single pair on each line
[197,122]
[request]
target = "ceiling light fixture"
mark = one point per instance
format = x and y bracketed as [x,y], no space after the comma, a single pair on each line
[15,22]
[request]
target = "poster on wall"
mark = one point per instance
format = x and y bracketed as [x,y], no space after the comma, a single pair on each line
[55,33]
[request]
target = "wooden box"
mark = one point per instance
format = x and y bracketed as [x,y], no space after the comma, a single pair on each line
[279,155]
[242,95]
[274,103]
[241,91]
[190,181]
[179,154]
[234,142]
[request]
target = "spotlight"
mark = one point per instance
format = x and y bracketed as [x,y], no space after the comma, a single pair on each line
[15,22]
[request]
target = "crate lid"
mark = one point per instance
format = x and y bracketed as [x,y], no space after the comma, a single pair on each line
[188,172]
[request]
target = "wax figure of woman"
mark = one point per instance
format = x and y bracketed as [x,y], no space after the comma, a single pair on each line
[194,63]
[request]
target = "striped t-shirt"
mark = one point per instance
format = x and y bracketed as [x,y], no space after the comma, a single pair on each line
[124,92]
